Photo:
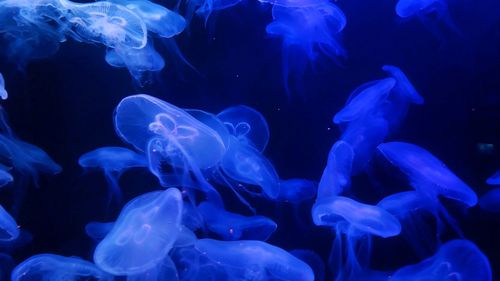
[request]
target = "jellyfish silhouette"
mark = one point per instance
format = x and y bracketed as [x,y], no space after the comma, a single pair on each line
[306,32]
[336,177]
[296,190]
[3,93]
[205,8]
[114,161]
[494,179]
[9,231]
[490,201]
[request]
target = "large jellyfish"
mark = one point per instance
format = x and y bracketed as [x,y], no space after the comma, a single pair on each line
[232,226]
[178,146]
[103,22]
[254,260]
[455,260]
[306,32]
[426,173]
[48,267]
[3,93]
[114,161]
[354,224]
[9,231]
[142,235]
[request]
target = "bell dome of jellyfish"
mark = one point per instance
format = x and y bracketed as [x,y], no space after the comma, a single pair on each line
[249,140]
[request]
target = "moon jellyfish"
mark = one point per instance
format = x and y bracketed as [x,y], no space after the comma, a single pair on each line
[9,231]
[494,179]
[336,176]
[3,93]
[403,85]
[306,32]
[365,100]
[426,173]
[205,8]
[143,234]
[247,125]
[354,224]
[232,226]
[98,230]
[165,271]
[313,260]
[48,267]
[107,23]
[5,177]
[296,190]
[254,260]
[114,161]
[455,260]
[490,201]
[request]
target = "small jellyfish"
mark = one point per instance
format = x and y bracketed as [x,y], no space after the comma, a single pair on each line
[247,125]
[107,23]
[48,267]
[3,93]
[5,177]
[98,230]
[296,190]
[336,177]
[114,161]
[306,32]
[9,231]
[205,8]
[365,100]
[426,173]
[494,179]
[255,260]
[490,201]
[455,260]
[232,226]
[143,234]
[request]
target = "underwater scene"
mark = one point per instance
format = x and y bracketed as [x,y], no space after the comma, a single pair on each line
[163,140]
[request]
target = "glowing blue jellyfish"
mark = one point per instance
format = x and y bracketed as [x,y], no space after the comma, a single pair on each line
[142,235]
[455,260]
[194,265]
[106,23]
[98,230]
[306,32]
[294,3]
[247,125]
[158,19]
[313,260]
[296,190]
[114,161]
[365,100]
[232,226]
[3,93]
[9,231]
[205,8]
[403,86]
[426,173]
[164,271]
[48,267]
[336,176]
[254,260]
[494,179]
[178,146]
[490,201]
[5,177]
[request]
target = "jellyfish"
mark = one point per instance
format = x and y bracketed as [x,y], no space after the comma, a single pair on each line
[336,177]
[294,3]
[354,224]
[455,260]
[178,146]
[247,124]
[365,100]
[490,201]
[114,161]
[98,230]
[47,267]
[205,8]
[193,265]
[254,260]
[166,270]
[9,231]
[232,226]
[426,173]
[137,61]
[3,93]
[426,11]
[143,234]
[306,32]
[5,177]
[296,190]
[494,179]
[403,86]
[6,265]
[103,22]
[313,260]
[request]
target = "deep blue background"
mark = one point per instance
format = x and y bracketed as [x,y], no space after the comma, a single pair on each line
[64,104]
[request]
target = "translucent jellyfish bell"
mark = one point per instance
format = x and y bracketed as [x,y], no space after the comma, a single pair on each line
[247,125]
[403,85]
[336,177]
[494,179]
[107,23]
[296,190]
[256,259]
[426,173]
[3,93]
[408,8]
[48,267]
[140,118]
[9,231]
[143,234]
[455,260]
